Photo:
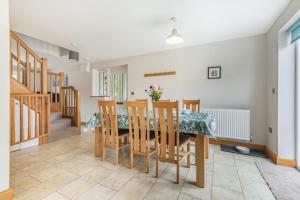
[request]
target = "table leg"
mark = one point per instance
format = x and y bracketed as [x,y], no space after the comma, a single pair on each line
[98,142]
[206,143]
[200,159]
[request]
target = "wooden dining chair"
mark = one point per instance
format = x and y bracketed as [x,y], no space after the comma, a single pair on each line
[166,120]
[139,133]
[146,100]
[193,105]
[111,136]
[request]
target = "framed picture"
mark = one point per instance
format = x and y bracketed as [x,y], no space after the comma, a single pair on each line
[214,72]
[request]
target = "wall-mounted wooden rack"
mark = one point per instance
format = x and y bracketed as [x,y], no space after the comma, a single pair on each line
[160,74]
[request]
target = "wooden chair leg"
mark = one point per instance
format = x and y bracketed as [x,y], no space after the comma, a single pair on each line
[177,172]
[131,159]
[206,144]
[148,163]
[189,156]
[117,156]
[157,168]
[103,153]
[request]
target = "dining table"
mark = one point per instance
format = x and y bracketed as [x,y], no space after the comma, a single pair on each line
[201,126]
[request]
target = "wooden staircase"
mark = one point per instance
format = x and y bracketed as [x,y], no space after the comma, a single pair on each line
[38,97]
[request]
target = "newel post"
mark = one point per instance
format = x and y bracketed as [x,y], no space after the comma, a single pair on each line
[78,111]
[61,92]
[45,107]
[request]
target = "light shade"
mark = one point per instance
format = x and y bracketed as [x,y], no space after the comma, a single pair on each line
[174,37]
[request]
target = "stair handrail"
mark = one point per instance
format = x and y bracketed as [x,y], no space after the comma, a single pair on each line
[27,65]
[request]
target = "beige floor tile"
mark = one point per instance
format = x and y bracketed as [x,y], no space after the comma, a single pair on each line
[248,171]
[35,193]
[256,191]
[76,188]
[85,167]
[184,196]
[55,196]
[119,178]
[135,189]
[224,180]
[97,175]
[98,192]
[224,159]
[59,181]
[219,193]
[190,190]
[163,189]
[22,183]
[44,174]
[243,157]
[169,174]
[225,169]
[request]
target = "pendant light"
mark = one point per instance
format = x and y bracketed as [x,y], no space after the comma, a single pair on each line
[174,37]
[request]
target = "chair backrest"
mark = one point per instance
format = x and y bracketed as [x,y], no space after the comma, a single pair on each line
[109,121]
[193,105]
[138,123]
[166,120]
[146,100]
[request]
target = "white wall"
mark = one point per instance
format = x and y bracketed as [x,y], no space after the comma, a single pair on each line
[83,82]
[243,82]
[280,76]
[4,95]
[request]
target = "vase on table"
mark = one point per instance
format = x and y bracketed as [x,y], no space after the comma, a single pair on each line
[155,92]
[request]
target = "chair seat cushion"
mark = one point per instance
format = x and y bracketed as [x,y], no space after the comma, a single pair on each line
[123,132]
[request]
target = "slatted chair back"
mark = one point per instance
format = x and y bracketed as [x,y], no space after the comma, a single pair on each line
[138,123]
[193,105]
[142,100]
[166,120]
[108,120]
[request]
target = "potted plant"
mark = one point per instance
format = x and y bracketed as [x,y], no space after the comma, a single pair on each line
[155,92]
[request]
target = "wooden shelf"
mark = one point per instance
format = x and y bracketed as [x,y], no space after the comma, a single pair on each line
[160,74]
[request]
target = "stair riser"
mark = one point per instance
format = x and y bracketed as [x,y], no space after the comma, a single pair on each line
[55,116]
[60,124]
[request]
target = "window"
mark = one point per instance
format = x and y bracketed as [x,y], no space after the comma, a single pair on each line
[102,78]
[119,86]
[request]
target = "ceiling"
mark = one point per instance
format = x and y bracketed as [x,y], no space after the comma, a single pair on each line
[109,29]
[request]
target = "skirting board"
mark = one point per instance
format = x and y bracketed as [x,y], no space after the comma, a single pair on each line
[272,156]
[7,194]
[280,161]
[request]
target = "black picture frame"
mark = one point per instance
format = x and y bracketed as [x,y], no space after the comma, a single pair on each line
[218,71]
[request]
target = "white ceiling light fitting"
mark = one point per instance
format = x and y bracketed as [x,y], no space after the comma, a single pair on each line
[174,37]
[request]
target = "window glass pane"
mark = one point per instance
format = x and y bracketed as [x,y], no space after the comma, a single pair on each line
[124,87]
[102,78]
[15,69]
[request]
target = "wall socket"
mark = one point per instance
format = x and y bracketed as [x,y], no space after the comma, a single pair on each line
[270,130]
[273,90]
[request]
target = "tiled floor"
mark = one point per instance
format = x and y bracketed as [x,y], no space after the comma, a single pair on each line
[67,169]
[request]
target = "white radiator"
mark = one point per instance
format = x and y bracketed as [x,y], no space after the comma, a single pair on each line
[231,123]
